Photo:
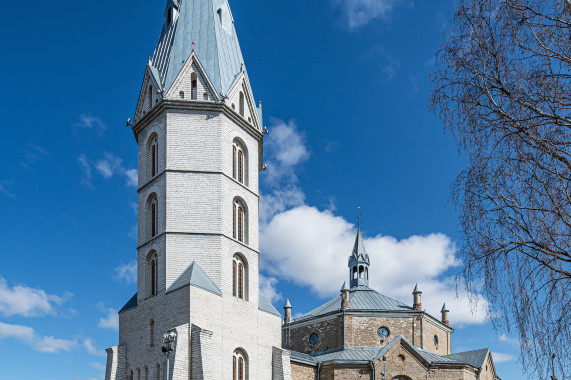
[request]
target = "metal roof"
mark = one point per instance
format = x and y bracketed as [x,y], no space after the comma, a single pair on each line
[210,26]
[194,276]
[131,304]
[474,358]
[361,298]
[354,354]
[266,306]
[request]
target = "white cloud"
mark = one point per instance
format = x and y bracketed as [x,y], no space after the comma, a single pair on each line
[500,358]
[5,189]
[360,12]
[132,177]
[285,149]
[26,301]
[111,321]
[90,123]
[506,339]
[89,346]
[108,167]
[98,366]
[317,258]
[278,201]
[268,288]
[127,272]
[86,169]
[27,335]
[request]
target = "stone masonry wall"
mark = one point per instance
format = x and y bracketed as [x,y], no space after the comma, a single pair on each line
[361,331]
[301,371]
[432,329]
[329,330]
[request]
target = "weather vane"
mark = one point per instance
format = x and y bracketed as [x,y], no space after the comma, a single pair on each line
[359,216]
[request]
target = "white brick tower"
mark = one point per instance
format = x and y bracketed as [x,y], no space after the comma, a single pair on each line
[200,142]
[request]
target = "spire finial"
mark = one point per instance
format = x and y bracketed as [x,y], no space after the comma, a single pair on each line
[359,216]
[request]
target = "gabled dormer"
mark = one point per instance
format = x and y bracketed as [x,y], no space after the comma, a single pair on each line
[150,94]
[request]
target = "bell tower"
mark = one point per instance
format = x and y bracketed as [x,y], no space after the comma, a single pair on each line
[200,144]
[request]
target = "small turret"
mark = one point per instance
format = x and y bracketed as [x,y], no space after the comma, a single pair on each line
[287,310]
[445,312]
[345,295]
[417,298]
[359,263]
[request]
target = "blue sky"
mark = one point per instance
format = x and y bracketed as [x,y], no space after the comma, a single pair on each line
[344,82]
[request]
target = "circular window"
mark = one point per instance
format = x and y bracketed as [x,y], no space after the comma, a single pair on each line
[401,358]
[436,341]
[383,332]
[313,339]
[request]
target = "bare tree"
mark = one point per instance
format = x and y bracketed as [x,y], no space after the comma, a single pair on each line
[502,86]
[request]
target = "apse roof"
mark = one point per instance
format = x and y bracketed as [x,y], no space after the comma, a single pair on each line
[353,354]
[361,298]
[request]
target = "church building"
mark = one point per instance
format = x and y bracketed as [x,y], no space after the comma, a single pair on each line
[200,150]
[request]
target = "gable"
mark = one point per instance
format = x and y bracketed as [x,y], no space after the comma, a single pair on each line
[248,110]
[150,94]
[182,87]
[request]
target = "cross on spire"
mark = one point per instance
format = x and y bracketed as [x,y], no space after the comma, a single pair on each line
[359,216]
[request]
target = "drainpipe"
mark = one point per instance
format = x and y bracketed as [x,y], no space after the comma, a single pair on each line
[372,368]
[427,370]
[318,370]
[422,331]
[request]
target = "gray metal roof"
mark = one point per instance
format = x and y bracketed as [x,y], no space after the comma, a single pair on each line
[194,276]
[210,25]
[474,358]
[361,298]
[367,354]
[265,305]
[131,304]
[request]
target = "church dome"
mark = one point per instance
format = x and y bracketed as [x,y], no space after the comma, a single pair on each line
[362,298]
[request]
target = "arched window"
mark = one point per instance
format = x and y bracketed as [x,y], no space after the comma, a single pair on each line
[158,372]
[154,152]
[150,97]
[239,277]
[153,273]
[355,273]
[367,273]
[239,219]
[131,377]
[151,333]
[138,374]
[146,373]
[239,162]
[193,87]
[361,272]
[240,365]
[241,104]
[153,215]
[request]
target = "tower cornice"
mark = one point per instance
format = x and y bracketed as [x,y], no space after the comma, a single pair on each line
[204,107]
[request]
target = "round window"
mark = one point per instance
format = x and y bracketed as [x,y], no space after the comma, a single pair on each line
[313,339]
[383,332]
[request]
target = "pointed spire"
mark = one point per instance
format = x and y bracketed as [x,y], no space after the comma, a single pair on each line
[287,304]
[359,246]
[345,287]
[416,291]
[207,28]
[444,308]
